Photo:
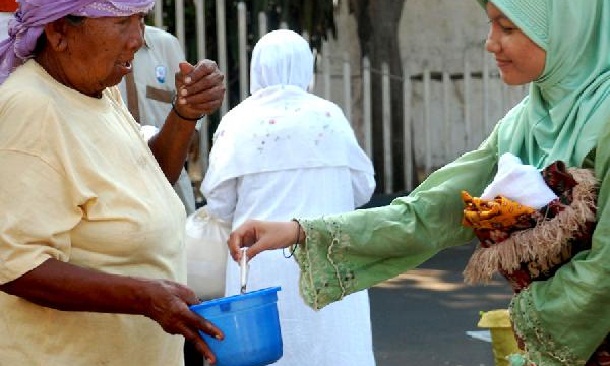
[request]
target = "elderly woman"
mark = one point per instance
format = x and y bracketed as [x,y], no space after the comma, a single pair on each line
[563,319]
[92,265]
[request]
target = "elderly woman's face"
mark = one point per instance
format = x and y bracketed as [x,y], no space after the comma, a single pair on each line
[518,58]
[100,52]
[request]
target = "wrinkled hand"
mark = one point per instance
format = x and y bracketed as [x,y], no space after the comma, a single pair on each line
[169,306]
[200,88]
[261,236]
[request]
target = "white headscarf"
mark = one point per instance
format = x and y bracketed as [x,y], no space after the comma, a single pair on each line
[281,126]
[281,57]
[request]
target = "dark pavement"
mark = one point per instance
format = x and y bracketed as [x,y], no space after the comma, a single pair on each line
[421,317]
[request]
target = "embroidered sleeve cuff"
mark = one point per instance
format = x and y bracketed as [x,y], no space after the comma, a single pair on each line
[323,278]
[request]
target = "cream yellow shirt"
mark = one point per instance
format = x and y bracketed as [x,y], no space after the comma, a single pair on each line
[71,169]
[154,65]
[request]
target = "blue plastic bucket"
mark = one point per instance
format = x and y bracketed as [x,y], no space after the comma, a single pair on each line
[251,325]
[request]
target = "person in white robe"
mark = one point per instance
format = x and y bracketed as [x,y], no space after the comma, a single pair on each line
[285,153]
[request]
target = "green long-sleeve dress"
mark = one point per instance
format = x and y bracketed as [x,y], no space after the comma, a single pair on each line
[565,117]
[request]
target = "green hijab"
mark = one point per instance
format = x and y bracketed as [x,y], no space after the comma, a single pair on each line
[564,112]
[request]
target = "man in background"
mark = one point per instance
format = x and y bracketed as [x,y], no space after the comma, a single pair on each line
[149,90]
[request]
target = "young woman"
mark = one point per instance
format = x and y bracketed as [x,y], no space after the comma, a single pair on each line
[565,117]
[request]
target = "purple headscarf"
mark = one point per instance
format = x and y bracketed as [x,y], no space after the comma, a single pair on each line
[31,17]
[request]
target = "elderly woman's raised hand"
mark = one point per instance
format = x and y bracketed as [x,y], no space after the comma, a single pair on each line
[200,89]
[263,235]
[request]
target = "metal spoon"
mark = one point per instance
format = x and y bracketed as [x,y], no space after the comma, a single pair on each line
[243,267]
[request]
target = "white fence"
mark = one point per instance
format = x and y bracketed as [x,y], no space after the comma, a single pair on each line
[445,113]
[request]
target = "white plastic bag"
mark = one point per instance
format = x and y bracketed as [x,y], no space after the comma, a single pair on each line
[207,251]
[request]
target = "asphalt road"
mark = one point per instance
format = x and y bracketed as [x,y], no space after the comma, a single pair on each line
[421,317]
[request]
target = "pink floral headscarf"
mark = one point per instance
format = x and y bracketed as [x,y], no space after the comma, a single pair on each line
[31,17]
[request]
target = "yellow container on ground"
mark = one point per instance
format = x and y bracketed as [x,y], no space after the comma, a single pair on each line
[502,337]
